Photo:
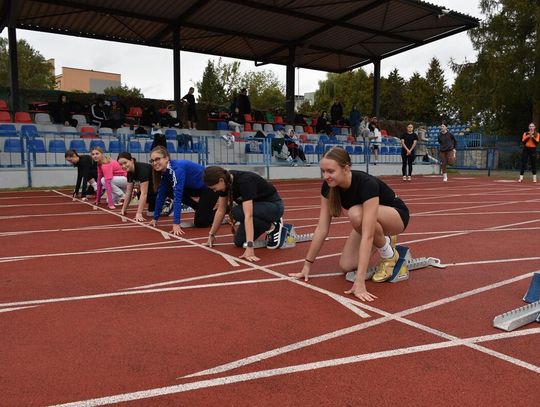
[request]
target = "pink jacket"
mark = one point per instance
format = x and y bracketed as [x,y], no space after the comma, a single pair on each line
[108,171]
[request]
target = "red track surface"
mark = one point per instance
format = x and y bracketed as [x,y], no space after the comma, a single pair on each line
[96,311]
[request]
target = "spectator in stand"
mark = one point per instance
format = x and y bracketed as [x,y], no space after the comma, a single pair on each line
[447,149]
[98,114]
[336,112]
[529,140]
[375,136]
[363,128]
[61,112]
[86,173]
[117,113]
[323,124]
[354,120]
[236,121]
[111,176]
[186,178]
[292,141]
[242,102]
[141,173]
[234,101]
[159,139]
[191,112]
[409,139]
[150,117]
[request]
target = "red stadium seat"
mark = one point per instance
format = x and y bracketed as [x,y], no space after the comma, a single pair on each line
[5,117]
[309,130]
[278,120]
[22,117]
[88,132]
[247,127]
[248,118]
[3,105]
[135,112]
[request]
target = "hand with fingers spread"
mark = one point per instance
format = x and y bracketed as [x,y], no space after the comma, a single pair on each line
[211,240]
[303,274]
[139,217]
[177,230]
[249,255]
[359,291]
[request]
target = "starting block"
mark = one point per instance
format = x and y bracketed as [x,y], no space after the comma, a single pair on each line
[401,270]
[291,238]
[518,317]
[533,293]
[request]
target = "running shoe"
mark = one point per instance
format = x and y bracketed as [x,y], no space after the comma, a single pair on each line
[385,269]
[276,237]
[167,207]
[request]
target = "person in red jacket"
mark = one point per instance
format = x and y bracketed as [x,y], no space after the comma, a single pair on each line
[529,140]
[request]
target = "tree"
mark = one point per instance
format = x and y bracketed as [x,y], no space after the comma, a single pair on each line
[34,71]
[438,93]
[506,75]
[265,90]
[123,91]
[210,88]
[392,96]
[416,96]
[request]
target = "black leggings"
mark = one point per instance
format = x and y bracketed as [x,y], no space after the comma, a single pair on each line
[296,152]
[407,162]
[204,208]
[264,213]
[529,154]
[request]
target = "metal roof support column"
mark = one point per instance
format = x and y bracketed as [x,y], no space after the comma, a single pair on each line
[176,71]
[13,70]
[289,86]
[377,87]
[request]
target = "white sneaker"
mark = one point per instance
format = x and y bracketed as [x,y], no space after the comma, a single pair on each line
[409,178]
[404,178]
[445,177]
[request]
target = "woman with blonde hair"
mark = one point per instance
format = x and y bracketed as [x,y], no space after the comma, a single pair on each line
[111,176]
[376,215]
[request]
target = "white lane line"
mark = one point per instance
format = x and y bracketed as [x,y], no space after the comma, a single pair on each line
[37,204]
[28,232]
[50,215]
[15,308]
[287,370]
[386,317]
[494,261]
[138,292]
[227,257]
[165,235]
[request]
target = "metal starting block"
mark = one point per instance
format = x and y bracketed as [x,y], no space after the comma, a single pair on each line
[518,317]
[405,264]
[290,239]
[533,293]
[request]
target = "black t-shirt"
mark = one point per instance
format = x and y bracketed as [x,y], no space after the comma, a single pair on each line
[363,187]
[142,173]
[409,139]
[249,186]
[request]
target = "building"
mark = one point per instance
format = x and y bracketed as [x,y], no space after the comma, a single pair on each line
[75,79]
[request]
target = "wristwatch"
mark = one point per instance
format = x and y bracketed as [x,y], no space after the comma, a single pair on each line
[248,244]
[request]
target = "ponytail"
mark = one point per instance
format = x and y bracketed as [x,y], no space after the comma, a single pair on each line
[213,174]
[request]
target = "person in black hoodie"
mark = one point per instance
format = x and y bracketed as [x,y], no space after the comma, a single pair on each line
[447,149]
[336,112]
[242,102]
[86,173]
[61,112]
[191,113]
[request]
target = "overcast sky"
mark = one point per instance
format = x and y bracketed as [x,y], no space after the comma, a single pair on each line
[150,69]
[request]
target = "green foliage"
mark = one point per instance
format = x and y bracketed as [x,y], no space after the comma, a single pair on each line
[438,93]
[418,107]
[210,88]
[123,91]
[34,71]
[265,90]
[350,88]
[393,96]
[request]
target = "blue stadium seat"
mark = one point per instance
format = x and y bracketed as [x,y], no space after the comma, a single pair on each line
[323,138]
[36,145]
[97,143]
[170,134]
[197,148]
[115,146]
[57,146]
[222,126]
[170,147]
[384,150]
[278,127]
[29,130]
[13,145]
[358,150]
[270,136]
[148,146]
[392,150]
[135,147]
[78,145]
[349,149]
[308,149]
[8,130]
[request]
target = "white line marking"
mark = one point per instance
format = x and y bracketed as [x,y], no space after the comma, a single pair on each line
[204,384]
[165,235]
[15,309]
[49,214]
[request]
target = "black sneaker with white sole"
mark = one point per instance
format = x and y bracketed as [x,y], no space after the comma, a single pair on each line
[276,237]
[167,207]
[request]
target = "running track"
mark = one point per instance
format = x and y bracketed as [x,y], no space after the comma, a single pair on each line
[97,310]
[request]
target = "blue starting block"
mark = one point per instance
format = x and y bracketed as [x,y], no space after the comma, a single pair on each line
[533,293]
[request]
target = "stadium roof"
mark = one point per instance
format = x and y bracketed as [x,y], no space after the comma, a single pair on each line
[327,35]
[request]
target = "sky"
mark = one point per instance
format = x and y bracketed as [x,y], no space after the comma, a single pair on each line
[150,69]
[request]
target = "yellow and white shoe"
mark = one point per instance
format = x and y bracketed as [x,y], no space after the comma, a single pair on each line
[385,268]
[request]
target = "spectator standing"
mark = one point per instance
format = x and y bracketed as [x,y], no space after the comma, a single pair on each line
[447,149]
[191,112]
[117,113]
[363,128]
[61,112]
[529,140]
[354,121]
[236,121]
[375,136]
[242,102]
[336,111]
[409,139]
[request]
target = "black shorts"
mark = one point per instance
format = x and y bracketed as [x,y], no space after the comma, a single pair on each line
[402,209]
